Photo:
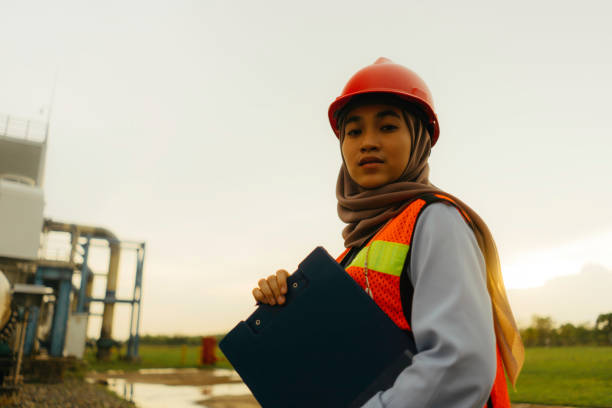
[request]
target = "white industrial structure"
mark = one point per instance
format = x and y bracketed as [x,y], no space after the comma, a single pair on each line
[23,147]
[48,298]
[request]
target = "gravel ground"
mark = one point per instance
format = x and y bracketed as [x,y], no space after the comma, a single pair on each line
[76,394]
[70,394]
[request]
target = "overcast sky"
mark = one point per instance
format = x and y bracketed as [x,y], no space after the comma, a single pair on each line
[201,128]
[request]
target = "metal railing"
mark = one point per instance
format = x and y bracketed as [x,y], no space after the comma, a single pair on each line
[31,130]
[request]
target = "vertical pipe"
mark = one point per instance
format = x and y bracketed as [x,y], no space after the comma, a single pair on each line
[89,289]
[60,317]
[16,379]
[132,351]
[84,279]
[130,345]
[106,331]
[32,328]
[74,234]
[88,293]
[131,339]
[138,296]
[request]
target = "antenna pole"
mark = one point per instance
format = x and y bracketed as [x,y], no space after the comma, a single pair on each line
[51,100]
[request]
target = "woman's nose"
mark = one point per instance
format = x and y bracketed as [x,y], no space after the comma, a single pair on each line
[369,142]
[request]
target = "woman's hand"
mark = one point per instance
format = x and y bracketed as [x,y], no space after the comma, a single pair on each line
[273,289]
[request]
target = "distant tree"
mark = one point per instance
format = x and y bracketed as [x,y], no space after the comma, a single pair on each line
[568,335]
[175,340]
[585,335]
[529,336]
[544,330]
[603,325]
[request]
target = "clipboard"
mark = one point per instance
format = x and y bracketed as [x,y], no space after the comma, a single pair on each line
[329,345]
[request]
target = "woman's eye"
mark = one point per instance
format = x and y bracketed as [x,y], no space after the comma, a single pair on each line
[388,128]
[353,132]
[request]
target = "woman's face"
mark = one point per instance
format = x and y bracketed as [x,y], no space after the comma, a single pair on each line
[376,145]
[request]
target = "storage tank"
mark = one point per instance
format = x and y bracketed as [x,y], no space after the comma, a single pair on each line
[23,146]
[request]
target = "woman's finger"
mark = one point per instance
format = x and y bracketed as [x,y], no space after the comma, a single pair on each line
[278,283]
[281,277]
[274,286]
[265,288]
[259,296]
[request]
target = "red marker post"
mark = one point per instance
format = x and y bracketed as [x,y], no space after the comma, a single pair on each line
[207,352]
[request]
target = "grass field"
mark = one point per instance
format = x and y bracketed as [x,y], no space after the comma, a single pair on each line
[154,356]
[575,376]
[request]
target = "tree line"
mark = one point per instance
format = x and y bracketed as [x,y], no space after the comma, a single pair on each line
[174,340]
[543,332]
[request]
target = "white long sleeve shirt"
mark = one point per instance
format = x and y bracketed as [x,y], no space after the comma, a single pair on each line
[452,320]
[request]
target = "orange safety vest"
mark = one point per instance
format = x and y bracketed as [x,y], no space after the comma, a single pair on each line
[385,256]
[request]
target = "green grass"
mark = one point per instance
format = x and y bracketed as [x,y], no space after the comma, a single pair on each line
[574,376]
[155,356]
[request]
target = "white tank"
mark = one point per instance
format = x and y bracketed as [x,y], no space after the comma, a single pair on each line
[23,146]
[5,300]
[21,218]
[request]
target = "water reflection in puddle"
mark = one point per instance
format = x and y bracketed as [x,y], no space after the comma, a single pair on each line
[156,395]
[175,370]
[146,395]
[224,389]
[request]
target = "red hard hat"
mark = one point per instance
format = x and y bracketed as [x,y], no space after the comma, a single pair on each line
[385,76]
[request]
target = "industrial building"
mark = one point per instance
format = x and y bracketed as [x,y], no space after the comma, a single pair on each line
[49,269]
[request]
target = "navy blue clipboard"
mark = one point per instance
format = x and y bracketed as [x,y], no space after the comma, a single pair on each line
[329,345]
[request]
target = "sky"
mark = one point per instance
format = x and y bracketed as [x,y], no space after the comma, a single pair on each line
[201,128]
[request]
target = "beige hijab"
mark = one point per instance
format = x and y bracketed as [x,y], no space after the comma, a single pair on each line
[366,211]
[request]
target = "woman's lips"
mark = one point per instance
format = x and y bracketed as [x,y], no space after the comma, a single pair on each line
[370,162]
[370,165]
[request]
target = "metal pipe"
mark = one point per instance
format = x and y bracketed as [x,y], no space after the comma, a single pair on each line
[80,308]
[75,233]
[113,269]
[93,232]
[111,288]
[138,295]
[16,379]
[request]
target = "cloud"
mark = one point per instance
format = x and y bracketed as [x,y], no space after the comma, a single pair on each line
[577,298]
[537,267]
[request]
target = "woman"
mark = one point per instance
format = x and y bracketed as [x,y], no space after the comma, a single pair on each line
[426,258]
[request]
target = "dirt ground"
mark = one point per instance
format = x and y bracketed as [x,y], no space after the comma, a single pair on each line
[171,377]
[68,394]
[197,377]
[231,401]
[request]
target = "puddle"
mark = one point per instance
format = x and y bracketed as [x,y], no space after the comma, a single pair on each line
[169,370]
[224,389]
[146,395]
[156,395]
[225,372]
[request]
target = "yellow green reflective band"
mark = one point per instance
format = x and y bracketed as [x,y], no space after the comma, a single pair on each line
[386,257]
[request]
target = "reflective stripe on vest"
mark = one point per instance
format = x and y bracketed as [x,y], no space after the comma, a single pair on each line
[387,252]
[385,257]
